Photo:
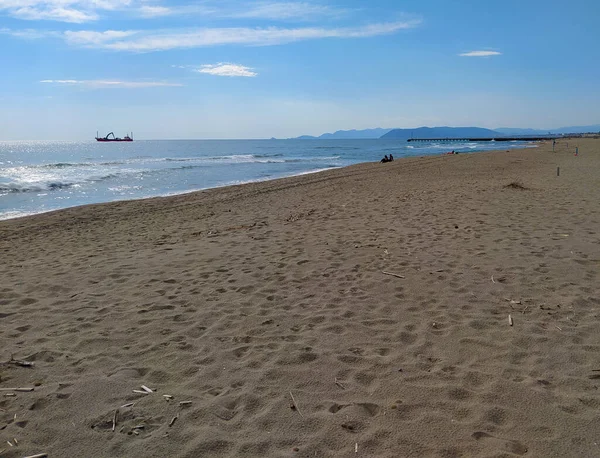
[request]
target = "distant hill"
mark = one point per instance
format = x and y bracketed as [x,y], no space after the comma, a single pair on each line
[440,132]
[348,134]
[560,130]
[518,131]
[447,132]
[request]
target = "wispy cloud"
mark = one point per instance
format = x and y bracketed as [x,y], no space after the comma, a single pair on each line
[480,54]
[150,11]
[80,11]
[30,34]
[74,11]
[225,69]
[99,84]
[146,41]
[91,38]
[288,10]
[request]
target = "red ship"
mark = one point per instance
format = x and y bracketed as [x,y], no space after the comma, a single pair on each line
[126,138]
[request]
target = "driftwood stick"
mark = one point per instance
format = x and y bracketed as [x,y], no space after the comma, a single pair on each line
[146,389]
[22,390]
[39,455]
[510,320]
[19,362]
[392,274]
[339,384]
[295,404]
[173,420]
[115,420]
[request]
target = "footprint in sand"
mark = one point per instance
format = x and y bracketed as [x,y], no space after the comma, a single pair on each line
[510,446]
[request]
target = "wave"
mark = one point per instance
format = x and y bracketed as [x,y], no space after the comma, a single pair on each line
[15,187]
[6,188]
[141,161]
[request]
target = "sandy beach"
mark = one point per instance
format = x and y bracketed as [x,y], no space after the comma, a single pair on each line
[264,320]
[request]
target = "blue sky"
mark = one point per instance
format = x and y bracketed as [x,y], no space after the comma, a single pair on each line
[256,69]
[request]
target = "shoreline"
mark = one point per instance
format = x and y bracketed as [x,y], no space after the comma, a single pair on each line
[265,322]
[26,215]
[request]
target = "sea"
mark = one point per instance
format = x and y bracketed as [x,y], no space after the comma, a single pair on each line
[37,177]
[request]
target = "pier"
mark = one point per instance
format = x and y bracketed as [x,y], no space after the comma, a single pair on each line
[487,139]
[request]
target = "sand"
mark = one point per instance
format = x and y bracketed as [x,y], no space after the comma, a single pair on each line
[236,299]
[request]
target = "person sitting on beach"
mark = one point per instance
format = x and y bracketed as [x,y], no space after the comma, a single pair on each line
[391,157]
[385,159]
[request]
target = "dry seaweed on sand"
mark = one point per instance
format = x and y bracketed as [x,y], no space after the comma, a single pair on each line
[517,185]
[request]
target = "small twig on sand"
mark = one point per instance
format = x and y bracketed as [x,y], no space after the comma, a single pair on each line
[173,420]
[525,309]
[295,405]
[560,329]
[19,362]
[115,420]
[39,455]
[130,404]
[185,403]
[510,320]
[146,389]
[392,274]
[22,390]
[356,447]
[140,392]
[493,279]
[168,397]
[339,384]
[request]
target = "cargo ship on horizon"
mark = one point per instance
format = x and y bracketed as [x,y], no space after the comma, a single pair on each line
[126,138]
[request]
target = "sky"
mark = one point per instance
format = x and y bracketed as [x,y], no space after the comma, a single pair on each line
[261,69]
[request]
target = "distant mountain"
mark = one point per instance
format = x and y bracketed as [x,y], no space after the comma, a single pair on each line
[349,134]
[560,130]
[446,132]
[518,131]
[440,132]
[354,134]
[577,129]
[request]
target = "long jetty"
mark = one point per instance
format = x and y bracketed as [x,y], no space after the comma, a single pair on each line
[486,139]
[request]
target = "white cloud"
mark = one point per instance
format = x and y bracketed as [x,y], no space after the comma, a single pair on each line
[288,10]
[146,41]
[480,54]
[91,38]
[73,11]
[30,34]
[99,84]
[224,69]
[155,11]
[79,11]
[54,14]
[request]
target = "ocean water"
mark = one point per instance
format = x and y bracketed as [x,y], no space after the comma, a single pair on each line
[36,177]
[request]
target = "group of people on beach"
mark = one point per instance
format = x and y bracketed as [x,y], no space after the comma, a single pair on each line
[391,158]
